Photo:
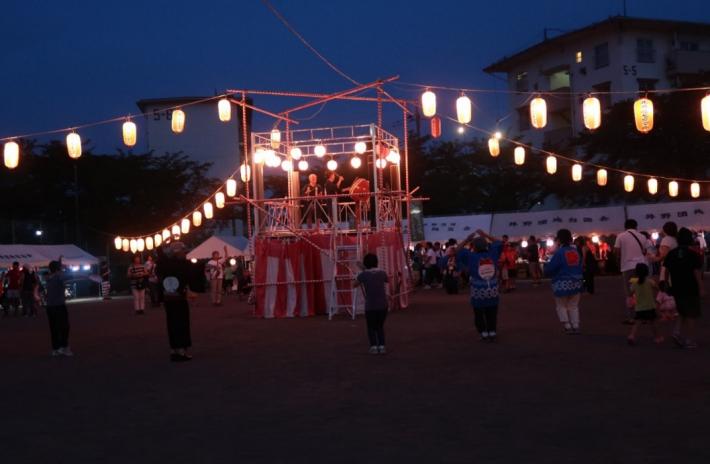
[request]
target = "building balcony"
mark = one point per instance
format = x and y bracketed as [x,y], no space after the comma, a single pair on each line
[688,62]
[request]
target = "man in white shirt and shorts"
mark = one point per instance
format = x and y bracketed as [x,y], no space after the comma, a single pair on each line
[630,250]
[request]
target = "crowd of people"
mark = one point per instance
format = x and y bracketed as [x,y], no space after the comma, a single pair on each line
[21,291]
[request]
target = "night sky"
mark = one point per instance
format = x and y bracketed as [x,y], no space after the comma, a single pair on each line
[67,63]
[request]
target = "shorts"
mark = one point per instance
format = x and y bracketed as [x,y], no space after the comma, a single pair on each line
[688,306]
[645,315]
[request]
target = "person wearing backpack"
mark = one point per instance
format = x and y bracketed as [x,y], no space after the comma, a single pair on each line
[630,250]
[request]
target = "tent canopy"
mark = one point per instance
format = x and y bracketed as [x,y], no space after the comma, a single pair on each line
[41,255]
[236,246]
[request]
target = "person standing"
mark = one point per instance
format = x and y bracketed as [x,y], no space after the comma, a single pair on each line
[137,277]
[565,269]
[56,308]
[313,189]
[630,250]
[13,277]
[591,266]
[373,282]
[28,283]
[642,288]
[214,270]
[175,275]
[533,255]
[153,289]
[333,183]
[508,258]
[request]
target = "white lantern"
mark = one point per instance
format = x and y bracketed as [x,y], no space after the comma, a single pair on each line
[259,155]
[166,234]
[360,148]
[231,187]
[592,113]
[196,218]
[296,153]
[177,124]
[219,200]
[705,112]
[209,211]
[140,245]
[381,163]
[224,108]
[130,133]
[494,146]
[176,231]
[134,245]
[271,159]
[117,242]
[695,190]
[303,165]
[463,109]
[629,183]
[245,172]
[275,138]
[652,184]
[393,156]
[319,150]
[602,176]
[551,164]
[538,112]
[576,172]
[519,155]
[185,226]
[673,188]
[157,240]
[355,162]
[287,165]
[429,103]
[125,244]
[149,243]
[332,165]
[643,115]
[74,145]
[11,155]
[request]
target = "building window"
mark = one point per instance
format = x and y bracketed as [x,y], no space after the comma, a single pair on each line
[645,52]
[578,57]
[647,84]
[689,46]
[605,96]
[523,119]
[559,80]
[601,56]
[521,82]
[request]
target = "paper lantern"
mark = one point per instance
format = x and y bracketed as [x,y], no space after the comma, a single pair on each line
[231,187]
[381,163]
[219,200]
[117,242]
[185,226]
[643,115]
[355,162]
[134,245]
[149,243]
[463,109]
[11,155]
[125,244]
[673,188]
[435,127]
[140,245]
[259,156]
[551,164]
[695,190]
[538,112]
[245,172]
[209,211]
[271,159]
[393,157]
[130,133]
[303,165]
[176,231]
[360,148]
[74,145]
[177,124]
[494,145]
[652,184]
[319,150]
[428,103]
[705,111]
[332,165]
[275,138]
[519,155]
[576,172]
[224,108]
[629,183]
[602,177]
[592,113]
[157,240]
[196,218]
[166,234]
[296,153]
[287,165]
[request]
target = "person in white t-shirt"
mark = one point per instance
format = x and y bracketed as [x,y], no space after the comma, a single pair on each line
[429,261]
[214,270]
[630,250]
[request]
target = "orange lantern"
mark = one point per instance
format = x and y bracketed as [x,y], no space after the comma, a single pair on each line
[436,127]
[592,113]
[538,112]
[643,115]
[602,177]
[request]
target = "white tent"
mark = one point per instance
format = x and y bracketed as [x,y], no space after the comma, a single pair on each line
[41,255]
[692,214]
[443,228]
[236,246]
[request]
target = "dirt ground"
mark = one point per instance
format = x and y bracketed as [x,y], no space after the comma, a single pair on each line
[305,390]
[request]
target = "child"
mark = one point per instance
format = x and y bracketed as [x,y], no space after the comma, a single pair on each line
[372,281]
[565,268]
[645,309]
[57,310]
[666,303]
[483,272]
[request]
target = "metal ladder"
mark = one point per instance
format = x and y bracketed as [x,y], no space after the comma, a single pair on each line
[344,271]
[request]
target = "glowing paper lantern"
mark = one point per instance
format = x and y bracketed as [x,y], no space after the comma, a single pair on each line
[224,108]
[134,245]
[275,138]
[695,190]
[176,231]
[393,157]
[494,146]
[287,165]
[185,226]
[381,163]
[538,112]
[149,243]
[355,162]
[463,109]
[74,145]
[303,165]
[11,155]
[245,172]
[157,240]
[332,165]
[673,188]
[196,218]
[435,127]
[652,184]
[166,234]
[519,155]
[130,133]
[576,172]
[177,124]
[209,211]
[117,242]
[602,177]
[296,153]
[319,150]
[705,112]
[125,245]
[259,156]
[629,183]
[643,115]
[140,244]
[428,103]
[592,113]
[219,200]
[551,164]
[360,148]
[272,159]
[231,187]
